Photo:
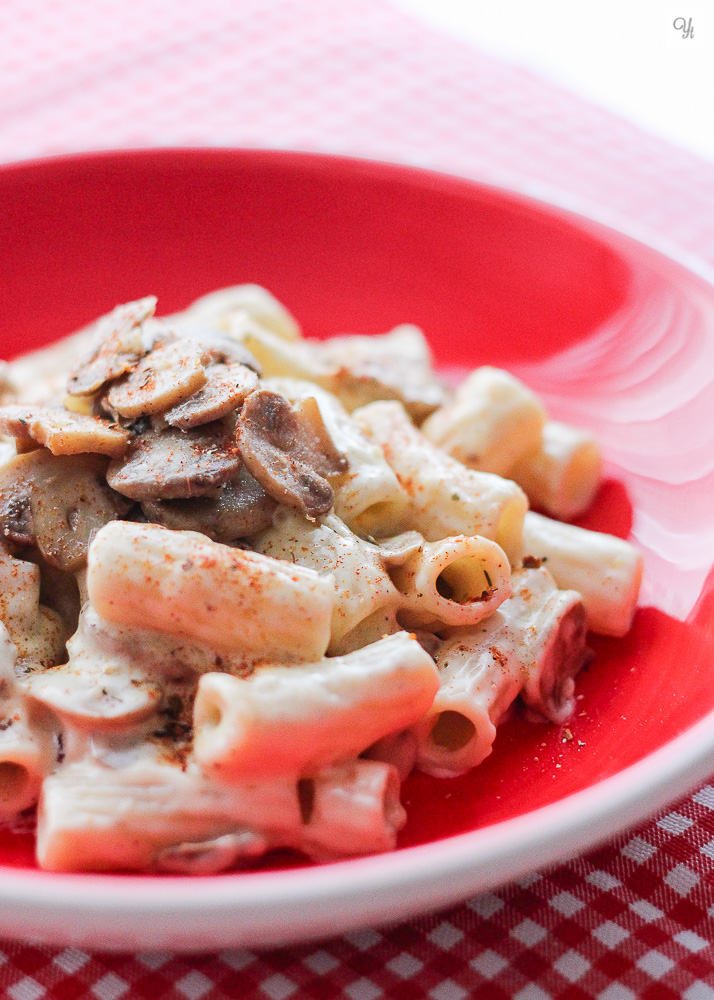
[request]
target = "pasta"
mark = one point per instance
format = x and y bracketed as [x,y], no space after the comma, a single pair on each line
[533,645]
[249,581]
[298,719]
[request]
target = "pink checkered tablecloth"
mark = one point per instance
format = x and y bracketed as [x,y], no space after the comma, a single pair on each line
[632,919]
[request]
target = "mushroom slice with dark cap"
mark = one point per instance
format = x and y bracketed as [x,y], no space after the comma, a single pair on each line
[117,347]
[173,464]
[166,377]
[225,390]
[58,503]
[289,451]
[63,432]
[242,508]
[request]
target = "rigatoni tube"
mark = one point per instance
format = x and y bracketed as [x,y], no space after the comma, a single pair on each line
[365,599]
[350,809]
[295,720]
[456,581]
[533,645]
[182,583]
[446,497]
[492,422]
[562,476]
[94,818]
[605,570]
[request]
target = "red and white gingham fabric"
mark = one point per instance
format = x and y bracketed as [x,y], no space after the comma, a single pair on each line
[631,920]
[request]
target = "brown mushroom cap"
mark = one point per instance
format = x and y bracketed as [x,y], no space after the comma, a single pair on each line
[226,389]
[166,377]
[173,464]
[242,508]
[289,451]
[58,503]
[63,432]
[117,347]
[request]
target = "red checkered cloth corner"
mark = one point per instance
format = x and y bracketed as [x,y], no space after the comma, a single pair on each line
[631,920]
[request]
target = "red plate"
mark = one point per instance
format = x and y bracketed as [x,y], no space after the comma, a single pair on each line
[614,335]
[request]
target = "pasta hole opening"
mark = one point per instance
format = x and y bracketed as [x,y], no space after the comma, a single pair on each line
[452,731]
[371,517]
[378,519]
[13,780]
[465,580]
[306,799]
[211,716]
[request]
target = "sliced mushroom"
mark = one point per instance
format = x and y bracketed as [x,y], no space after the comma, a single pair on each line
[173,464]
[242,508]
[58,503]
[289,451]
[166,377]
[226,389]
[396,365]
[117,347]
[94,695]
[64,433]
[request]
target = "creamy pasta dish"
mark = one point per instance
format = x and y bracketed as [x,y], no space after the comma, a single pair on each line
[249,581]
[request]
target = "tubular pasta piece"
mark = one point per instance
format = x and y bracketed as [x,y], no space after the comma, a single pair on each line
[182,583]
[456,581]
[215,309]
[446,498]
[531,644]
[27,753]
[563,475]
[606,570]
[492,422]
[351,809]
[368,497]
[94,818]
[298,719]
[365,599]
[554,627]
[480,678]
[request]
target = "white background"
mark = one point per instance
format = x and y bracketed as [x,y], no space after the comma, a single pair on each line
[624,55]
